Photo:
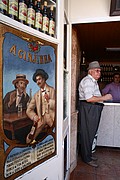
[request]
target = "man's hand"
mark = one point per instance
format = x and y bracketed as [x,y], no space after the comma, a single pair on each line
[107,97]
[36,119]
[46,96]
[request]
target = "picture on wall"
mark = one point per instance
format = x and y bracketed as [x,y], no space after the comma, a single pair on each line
[28,101]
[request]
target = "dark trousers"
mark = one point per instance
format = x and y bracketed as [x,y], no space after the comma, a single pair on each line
[89,118]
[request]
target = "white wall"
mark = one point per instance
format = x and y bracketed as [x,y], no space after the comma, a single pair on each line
[82,11]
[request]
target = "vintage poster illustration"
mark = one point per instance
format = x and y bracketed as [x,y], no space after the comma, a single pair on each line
[28,102]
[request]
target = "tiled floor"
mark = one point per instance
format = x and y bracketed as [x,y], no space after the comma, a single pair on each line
[109,166]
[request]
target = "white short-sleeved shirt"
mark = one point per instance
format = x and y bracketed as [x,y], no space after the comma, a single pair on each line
[88,87]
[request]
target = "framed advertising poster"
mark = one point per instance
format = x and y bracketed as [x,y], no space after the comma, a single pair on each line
[27,102]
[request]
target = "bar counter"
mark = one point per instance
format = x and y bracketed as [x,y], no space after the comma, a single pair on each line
[109,127]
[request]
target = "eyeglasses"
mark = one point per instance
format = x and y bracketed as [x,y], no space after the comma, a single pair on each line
[97,70]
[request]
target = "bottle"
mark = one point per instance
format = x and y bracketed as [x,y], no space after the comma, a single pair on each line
[4,7]
[35,3]
[13,9]
[31,14]
[38,16]
[83,57]
[30,94]
[51,30]
[22,16]
[45,22]
[83,63]
[32,132]
[30,97]
[20,110]
[42,6]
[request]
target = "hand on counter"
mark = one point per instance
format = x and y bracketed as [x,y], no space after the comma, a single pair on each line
[107,97]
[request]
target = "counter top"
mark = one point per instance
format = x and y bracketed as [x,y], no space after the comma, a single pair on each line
[109,127]
[111,104]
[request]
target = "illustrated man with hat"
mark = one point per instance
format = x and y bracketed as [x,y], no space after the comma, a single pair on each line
[42,106]
[90,108]
[18,96]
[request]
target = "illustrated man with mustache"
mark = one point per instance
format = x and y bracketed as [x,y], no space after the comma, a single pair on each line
[18,96]
[42,106]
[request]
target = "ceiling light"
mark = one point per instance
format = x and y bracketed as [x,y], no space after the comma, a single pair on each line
[113,49]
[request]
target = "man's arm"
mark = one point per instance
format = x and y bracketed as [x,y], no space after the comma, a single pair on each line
[31,109]
[8,100]
[106,90]
[99,98]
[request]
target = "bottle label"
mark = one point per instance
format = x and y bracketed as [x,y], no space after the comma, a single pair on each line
[32,130]
[45,24]
[22,11]
[4,4]
[38,20]
[31,16]
[52,27]
[13,7]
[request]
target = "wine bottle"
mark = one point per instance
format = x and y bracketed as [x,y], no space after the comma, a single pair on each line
[13,9]
[38,16]
[22,11]
[4,7]
[35,3]
[83,66]
[45,22]
[42,6]
[32,132]
[31,14]
[51,31]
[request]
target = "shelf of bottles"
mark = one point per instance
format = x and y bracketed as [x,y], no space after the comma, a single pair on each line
[37,14]
[107,72]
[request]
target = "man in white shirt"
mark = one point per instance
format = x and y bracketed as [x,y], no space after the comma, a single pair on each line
[90,108]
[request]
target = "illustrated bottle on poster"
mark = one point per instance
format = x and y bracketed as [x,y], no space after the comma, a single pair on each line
[51,31]
[13,9]
[30,97]
[32,132]
[4,7]
[22,16]
[30,94]
[45,22]
[38,16]
[31,14]
[20,110]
